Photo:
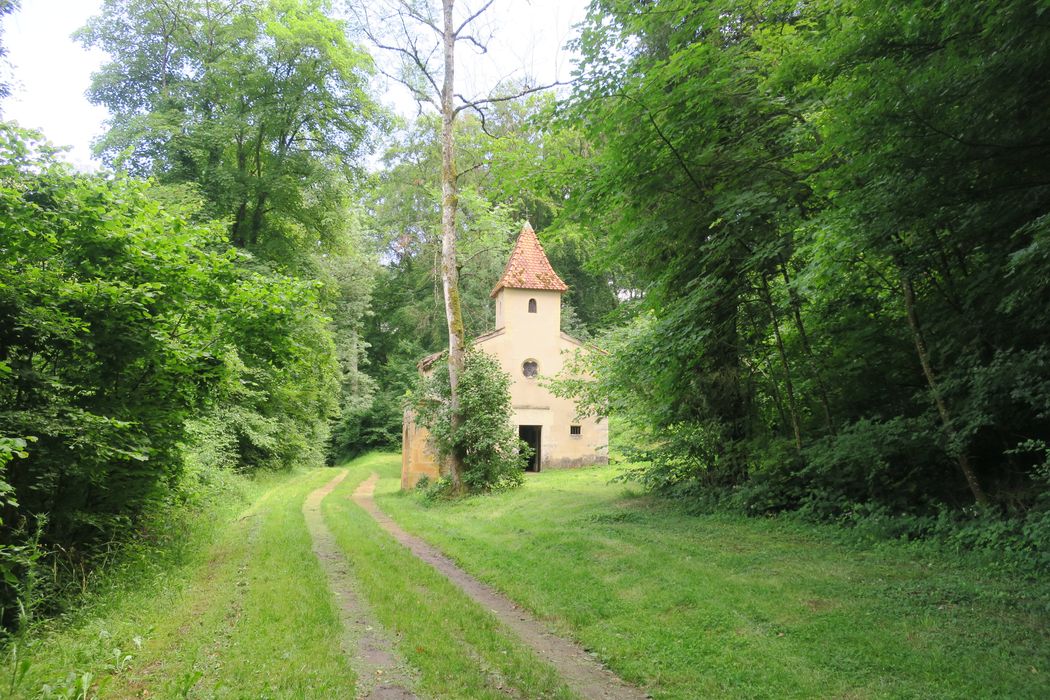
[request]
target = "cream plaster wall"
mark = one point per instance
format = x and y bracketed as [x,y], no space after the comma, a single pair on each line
[418,457]
[537,336]
[522,336]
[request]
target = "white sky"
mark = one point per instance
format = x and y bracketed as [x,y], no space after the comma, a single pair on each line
[51,72]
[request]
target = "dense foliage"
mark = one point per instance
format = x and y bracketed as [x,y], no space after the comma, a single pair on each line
[209,320]
[260,104]
[128,334]
[837,216]
[812,239]
[260,111]
[493,456]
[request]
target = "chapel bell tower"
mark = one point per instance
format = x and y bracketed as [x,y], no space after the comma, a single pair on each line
[528,294]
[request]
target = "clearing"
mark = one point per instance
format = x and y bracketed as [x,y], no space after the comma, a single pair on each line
[305,595]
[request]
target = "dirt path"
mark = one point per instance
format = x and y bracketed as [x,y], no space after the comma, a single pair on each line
[580,671]
[381,673]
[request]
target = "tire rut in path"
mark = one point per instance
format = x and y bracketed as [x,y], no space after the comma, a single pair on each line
[381,673]
[580,671]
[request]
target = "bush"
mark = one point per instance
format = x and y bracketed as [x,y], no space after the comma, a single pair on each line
[494,458]
[129,333]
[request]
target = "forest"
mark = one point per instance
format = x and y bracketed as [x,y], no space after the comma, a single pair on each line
[811,239]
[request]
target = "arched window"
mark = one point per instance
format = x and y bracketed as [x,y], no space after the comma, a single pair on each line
[530,368]
[532,306]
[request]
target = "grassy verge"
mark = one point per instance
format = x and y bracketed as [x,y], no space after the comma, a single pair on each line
[725,606]
[248,615]
[458,648]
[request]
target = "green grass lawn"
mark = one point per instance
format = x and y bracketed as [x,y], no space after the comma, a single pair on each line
[723,606]
[259,622]
[459,649]
[248,616]
[246,612]
[686,606]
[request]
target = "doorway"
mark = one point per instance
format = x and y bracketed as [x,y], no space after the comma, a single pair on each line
[530,434]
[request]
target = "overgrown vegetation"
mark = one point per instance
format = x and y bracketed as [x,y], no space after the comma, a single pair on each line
[131,337]
[836,215]
[209,317]
[492,455]
[188,612]
[811,238]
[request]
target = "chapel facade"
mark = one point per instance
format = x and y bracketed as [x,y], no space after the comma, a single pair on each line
[529,344]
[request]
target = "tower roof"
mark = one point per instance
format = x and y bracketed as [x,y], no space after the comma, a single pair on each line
[528,267]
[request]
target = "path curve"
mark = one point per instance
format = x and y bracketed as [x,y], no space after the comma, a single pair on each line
[381,673]
[580,671]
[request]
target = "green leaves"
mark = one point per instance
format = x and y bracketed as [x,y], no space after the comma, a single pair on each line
[262,105]
[775,178]
[493,456]
[122,325]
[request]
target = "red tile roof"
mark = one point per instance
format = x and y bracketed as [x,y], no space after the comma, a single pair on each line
[528,267]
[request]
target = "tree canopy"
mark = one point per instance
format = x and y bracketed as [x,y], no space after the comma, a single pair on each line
[263,105]
[810,240]
[832,211]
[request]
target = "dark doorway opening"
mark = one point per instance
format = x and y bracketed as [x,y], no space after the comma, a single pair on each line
[531,435]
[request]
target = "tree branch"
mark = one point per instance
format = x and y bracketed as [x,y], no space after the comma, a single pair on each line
[468,170]
[473,17]
[469,38]
[408,10]
[667,142]
[475,104]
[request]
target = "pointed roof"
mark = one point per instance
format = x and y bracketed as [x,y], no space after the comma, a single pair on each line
[528,267]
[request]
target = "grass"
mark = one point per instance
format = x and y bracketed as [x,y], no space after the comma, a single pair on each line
[458,648]
[245,611]
[249,616]
[686,606]
[725,606]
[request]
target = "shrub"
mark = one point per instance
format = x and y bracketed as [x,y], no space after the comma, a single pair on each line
[493,456]
[128,334]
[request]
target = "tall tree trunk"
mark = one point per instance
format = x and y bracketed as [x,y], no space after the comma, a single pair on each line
[931,379]
[789,385]
[811,359]
[720,371]
[449,203]
[239,222]
[257,218]
[774,390]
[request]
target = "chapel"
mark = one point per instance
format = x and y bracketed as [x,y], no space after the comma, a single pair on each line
[529,344]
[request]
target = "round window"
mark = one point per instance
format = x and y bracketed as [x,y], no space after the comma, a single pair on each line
[530,368]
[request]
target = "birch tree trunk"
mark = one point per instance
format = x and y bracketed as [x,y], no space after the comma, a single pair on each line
[931,379]
[449,203]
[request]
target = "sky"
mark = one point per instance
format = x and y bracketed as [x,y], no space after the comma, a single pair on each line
[50,72]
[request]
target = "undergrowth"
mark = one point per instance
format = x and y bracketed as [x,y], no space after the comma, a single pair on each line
[61,594]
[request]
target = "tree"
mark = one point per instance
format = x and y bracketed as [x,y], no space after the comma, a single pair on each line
[947,185]
[495,455]
[691,178]
[123,325]
[420,33]
[259,111]
[260,104]
[834,214]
